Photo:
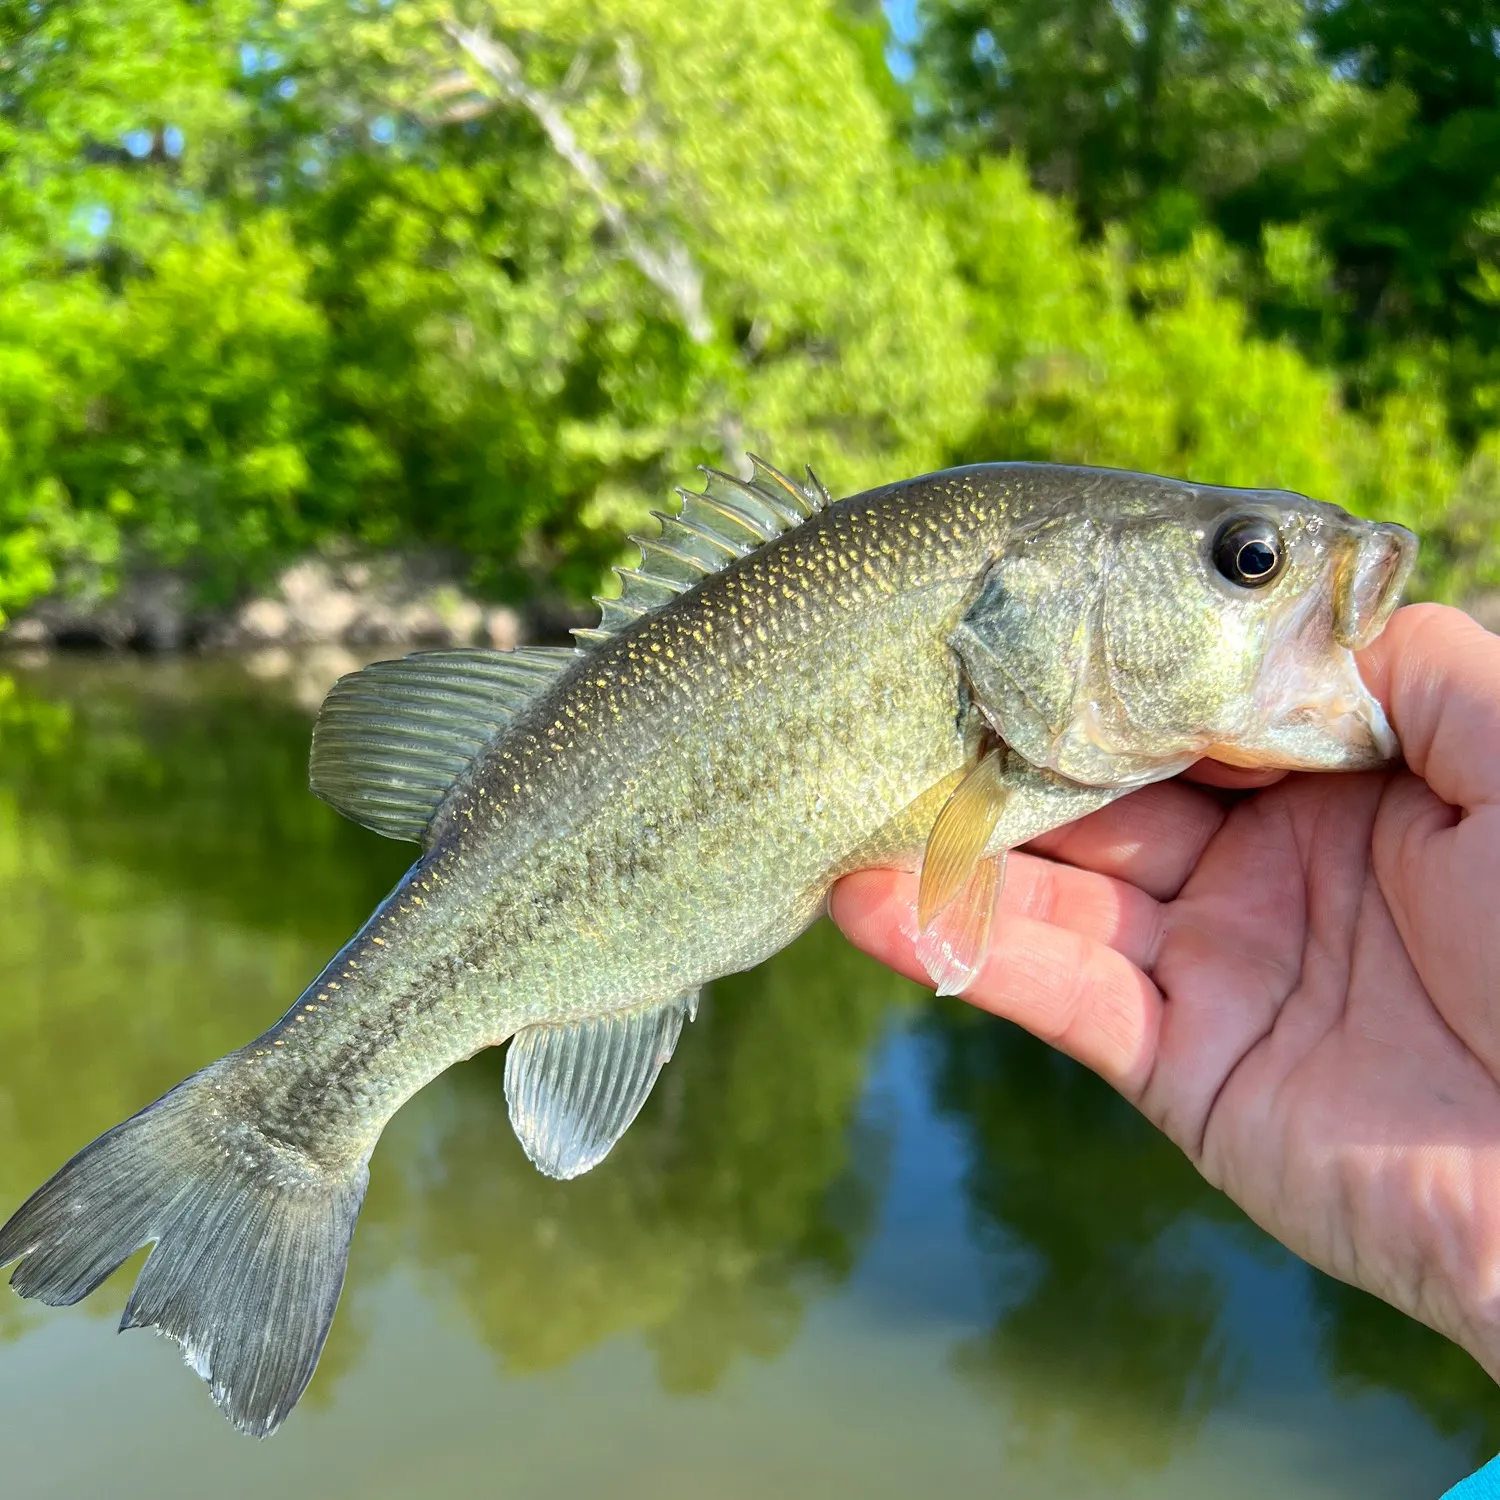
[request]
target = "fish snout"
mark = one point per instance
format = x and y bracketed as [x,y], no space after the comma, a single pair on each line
[1370,577]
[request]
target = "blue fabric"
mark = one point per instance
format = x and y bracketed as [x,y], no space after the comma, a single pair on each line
[1485,1485]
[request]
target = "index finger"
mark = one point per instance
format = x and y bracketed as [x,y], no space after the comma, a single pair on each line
[1080,994]
[1437,671]
[1153,838]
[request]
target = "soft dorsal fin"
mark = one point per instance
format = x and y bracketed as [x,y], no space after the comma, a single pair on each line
[714,528]
[390,740]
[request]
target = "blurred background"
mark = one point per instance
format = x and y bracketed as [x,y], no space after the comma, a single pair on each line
[481,282]
[332,324]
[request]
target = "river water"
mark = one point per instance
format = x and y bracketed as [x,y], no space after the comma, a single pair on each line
[860,1242]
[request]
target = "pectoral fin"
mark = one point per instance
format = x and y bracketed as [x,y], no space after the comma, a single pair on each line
[573,1090]
[1002,803]
[959,886]
[953,944]
[958,838]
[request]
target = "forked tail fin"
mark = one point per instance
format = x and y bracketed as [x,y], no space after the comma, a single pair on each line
[250,1238]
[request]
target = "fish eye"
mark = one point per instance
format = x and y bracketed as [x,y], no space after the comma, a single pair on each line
[1248,551]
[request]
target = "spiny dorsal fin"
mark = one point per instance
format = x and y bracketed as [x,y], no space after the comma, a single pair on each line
[392,739]
[716,526]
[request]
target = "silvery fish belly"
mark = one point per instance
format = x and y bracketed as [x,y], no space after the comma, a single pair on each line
[787,689]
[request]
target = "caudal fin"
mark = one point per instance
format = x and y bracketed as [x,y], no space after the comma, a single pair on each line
[250,1240]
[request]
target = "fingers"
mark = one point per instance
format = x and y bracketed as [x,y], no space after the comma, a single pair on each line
[1438,674]
[1107,911]
[1152,838]
[1061,982]
[1232,778]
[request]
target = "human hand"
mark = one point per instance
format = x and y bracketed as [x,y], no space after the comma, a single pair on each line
[1302,988]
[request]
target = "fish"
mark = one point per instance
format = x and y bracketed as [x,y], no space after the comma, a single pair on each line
[788,688]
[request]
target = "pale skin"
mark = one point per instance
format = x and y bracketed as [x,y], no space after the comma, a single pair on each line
[1301,987]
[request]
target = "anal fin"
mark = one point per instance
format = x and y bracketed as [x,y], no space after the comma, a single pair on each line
[574,1089]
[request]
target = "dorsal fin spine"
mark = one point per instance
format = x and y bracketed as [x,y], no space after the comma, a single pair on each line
[772,482]
[726,517]
[817,491]
[667,562]
[729,518]
[740,496]
[713,551]
[647,589]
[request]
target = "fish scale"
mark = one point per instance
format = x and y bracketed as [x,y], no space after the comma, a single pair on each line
[787,689]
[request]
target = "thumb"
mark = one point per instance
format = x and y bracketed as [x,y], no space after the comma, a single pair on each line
[1437,671]
[1436,840]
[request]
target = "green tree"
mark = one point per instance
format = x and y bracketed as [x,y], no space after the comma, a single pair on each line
[492,279]
[379,272]
[1101,356]
[1144,108]
[1345,147]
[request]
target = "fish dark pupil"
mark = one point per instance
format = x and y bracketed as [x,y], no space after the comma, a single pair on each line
[1248,552]
[1256,559]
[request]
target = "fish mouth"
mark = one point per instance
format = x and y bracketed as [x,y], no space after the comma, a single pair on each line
[1317,713]
[1368,579]
[1325,720]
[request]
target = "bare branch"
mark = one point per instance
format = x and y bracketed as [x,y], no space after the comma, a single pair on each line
[670,269]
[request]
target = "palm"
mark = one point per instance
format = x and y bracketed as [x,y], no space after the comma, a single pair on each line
[1299,988]
[1305,1062]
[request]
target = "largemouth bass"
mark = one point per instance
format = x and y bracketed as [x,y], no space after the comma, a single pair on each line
[787,690]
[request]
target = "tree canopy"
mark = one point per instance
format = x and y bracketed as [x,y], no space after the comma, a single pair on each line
[284,274]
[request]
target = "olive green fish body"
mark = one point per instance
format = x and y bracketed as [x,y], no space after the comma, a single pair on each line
[674,810]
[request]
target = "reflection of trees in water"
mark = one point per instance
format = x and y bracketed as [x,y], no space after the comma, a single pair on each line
[192,779]
[1107,1330]
[169,884]
[1367,1345]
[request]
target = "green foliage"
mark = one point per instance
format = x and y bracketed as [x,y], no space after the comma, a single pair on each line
[345,285]
[1102,356]
[1136,107]
[1346,155]
[278,275]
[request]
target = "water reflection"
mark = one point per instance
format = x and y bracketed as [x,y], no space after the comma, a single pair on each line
[167,884]
[1367,1345]
[164,890]
[1097,1298]
[1106,1295]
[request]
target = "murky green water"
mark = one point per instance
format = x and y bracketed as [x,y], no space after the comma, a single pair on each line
[859,1244]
